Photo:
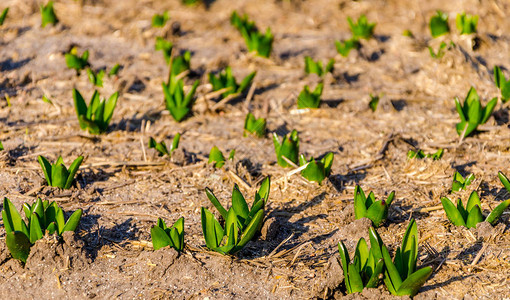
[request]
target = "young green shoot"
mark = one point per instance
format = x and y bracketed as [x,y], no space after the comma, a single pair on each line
[440,51]
[1,146]
[255,40]
[42,217]
[216,157]
[345,47]
[76,62]
[308,99]
[472,113]
[316,67]
[163,236]
[502,84]
[226,81]
[466,24]
[160,20]
[48,15]
[162,148]
[461,183]
[96,78]
[3,15]
[504,180]
[374,101]
[421,155]
[439,24]
[114,71]
[177,102]
[366,266]
[362,29]
[288,148]
[241,223]
[368,207]
[165,47]
[256,127]
[471,214]
[57,174]
[97,116]
[316,170]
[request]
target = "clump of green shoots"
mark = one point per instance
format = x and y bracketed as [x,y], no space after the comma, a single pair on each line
[160,20]
[177,102]
[161,146]
[440,51]
[288,148]
[226,81]
[48,15]
[461,183]
[472,113]
[316,170]
[502,84]
[173,236]
[3,15]
[374,101]
[216,157]
[466,24]
[254,126]
[362,29]
[471,215]
[42,217]
[178,63]
[368,207]
[421,155]
[255,40]
[439,24]
[366,266]
[57,174]
[96,78]
[97,116]
[316,67]
[345,47]
[309,99]
[76,62]
[241,223]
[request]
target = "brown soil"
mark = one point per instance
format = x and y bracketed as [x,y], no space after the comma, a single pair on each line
[123,187]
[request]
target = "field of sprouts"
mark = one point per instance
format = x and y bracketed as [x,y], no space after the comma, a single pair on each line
[304,107]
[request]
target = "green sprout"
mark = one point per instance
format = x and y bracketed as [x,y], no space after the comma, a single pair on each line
[165,47]
[308,99]
[76,62]
[114,70]
[3,15]
[57,174]
[440,51]
[345,47]
[368,207]
[216,157]
[461,183]
[177,102]
[408,33]
[439,24]
[361,29]
[226,80]
[190,2]
[471,215]
[502,83]
[288,148]
[366,266]
[1,146]
[161,147]
[421,155]
[255,40]
[504,180]
[314,67]
[48,15]
[241,223]
[42,217]
[96,78]
[466,24]
[97,116]
[160,20]
[254,126]
[163,236]
[316,171]
[374,101]
[472,113]
[400,275]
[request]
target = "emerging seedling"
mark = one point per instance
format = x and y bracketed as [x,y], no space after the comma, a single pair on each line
[466,24]
[368,207]
[308,99]
[254,126]
[366,266]
[57,174]
[345,47]
[255,41]
[314,67]
[241,223]
[361,29]
[96,78]
[161,147]
[471,215]
[401,277]
[48,15]
[502,83]
[165,47]
[421,155]
[226,80]
[76,62]
[114,70]
[42,217]
[216,157]
[160,20]
[316,171]
[461,183]
[472,113]
[288,148]
[163,236]
[374,101]
[439,24]
[97,116]
[177,102]
[504,180]
[440,51]
[1,146]
[3,15]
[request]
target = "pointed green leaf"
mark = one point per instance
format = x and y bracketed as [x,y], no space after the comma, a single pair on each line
[73,221]
[360,209]
[159,238]
[46,166]
[12,219]
[373,281]
[250,230]
[475,216]
[72,171]
[18,245]
[493,217]
[474,199]
[452,213]
[216,203]
[414,282]
[35,228]
[356,283]
[239,203]
[392,278]
[504,180]
[213,233]
[377,212]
